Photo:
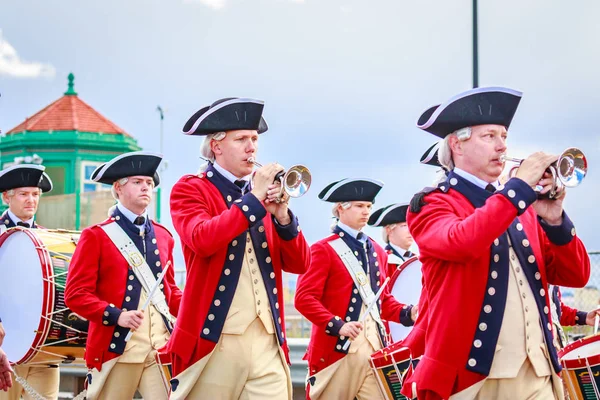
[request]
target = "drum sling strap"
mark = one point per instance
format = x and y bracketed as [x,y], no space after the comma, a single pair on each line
[140,267]
[361,280]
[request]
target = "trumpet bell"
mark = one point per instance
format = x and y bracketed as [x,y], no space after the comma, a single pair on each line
[571,167]
[297,180]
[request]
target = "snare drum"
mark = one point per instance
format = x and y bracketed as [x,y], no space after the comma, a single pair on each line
[389,366]
[406,287]
[40,329]
[581,368]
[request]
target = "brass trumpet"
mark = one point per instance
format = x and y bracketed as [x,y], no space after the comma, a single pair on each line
[295,181]
[567,172]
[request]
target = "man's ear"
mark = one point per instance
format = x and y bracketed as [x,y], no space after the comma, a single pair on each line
[455,145]
[215,146]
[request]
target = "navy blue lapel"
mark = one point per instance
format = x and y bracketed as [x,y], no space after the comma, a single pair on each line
[7,221]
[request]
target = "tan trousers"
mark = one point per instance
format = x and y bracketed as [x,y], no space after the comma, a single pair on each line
[125,378]
[43,379]
[353,378]
[526,386]
[245,367]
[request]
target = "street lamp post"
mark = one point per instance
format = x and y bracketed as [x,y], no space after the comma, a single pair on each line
[158,190]
[475,45]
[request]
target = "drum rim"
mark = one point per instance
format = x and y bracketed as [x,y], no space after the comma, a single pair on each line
[401,268]
[48,287]
[579,362]
[378,359]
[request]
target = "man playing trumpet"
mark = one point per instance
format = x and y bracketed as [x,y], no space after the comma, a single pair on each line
[346,271]
[238,236]
[118,264]
[488,252]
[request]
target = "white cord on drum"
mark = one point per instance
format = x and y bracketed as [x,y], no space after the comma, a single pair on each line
[35,395]
[27,387]
[592,378]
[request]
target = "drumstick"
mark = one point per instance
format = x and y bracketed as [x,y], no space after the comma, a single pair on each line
[369,308]
[597,319]
[149,298]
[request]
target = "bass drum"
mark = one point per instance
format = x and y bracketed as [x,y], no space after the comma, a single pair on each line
[406,286]
[40,328]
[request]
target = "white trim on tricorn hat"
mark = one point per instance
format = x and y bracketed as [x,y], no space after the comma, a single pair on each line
[330,190]
[386,211]
[430,154]
[38,179]
[148,169]
[463,118]
[204,113]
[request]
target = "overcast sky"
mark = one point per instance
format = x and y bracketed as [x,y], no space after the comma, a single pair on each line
[344,81]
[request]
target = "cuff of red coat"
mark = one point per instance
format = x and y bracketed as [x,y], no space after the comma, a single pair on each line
[289,231]
[252,208]
[111,315]
[405,316]
[519,193]
[333,326]
[559,234]
[581,318]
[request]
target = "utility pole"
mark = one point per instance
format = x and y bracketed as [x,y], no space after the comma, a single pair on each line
[158,191]
[475,45]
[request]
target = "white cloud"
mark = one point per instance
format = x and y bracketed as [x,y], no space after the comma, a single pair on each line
[214,4]
[12,65]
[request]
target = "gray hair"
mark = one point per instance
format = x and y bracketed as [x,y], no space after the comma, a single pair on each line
[384,234]
[445,153]
[205,149]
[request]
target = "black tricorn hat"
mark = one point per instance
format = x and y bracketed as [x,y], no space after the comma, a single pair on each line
[25,175]
[430,157]
[392,214]
[227,114]
[128,164]
[351,189]
[479,106]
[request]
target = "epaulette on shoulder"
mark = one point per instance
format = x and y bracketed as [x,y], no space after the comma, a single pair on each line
[418,200]
[191,176]
[161,226]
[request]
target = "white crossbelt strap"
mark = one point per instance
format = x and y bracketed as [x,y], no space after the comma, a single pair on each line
[3,229]
[361,280]
[140,267]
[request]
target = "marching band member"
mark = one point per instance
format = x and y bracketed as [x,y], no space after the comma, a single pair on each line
[116,266]
[22,186]
[335,292]
[395,233]
[563,315]
[488,253]
[5,372]
[237,239]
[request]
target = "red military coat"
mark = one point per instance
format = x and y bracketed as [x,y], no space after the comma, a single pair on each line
[100,284]
[464,253]
[325,295]
[212,218]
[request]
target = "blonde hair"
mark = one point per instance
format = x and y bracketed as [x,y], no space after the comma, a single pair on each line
[206,150]
[336,213]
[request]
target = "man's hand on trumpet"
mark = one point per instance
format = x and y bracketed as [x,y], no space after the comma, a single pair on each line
[533,170]
[266,189]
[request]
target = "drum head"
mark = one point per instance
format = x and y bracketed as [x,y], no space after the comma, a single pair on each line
[21,295]
[406,288]
[587,348]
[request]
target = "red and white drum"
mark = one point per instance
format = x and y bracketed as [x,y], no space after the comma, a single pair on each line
[406,287]
[581,368]
[390,366]
[40,329]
